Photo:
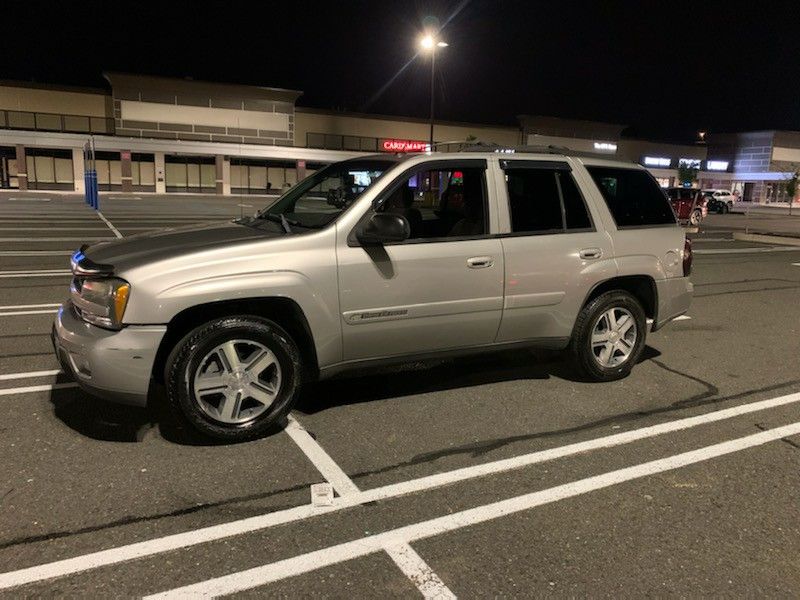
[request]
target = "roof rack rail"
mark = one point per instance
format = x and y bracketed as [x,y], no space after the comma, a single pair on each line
[532,149]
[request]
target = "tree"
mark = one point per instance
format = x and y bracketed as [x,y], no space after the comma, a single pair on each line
[791,188]
[687,172]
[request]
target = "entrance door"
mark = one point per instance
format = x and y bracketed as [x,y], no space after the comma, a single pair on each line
[748,191]
[3,172]
[440,289]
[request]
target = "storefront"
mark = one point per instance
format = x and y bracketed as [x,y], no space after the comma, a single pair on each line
[253,176]
[49,169]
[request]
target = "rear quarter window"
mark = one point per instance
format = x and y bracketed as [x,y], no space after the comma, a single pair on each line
[633,197]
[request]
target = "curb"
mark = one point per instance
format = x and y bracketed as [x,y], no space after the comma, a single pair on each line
[766,238]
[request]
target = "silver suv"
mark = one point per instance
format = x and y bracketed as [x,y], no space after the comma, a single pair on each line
[375,260]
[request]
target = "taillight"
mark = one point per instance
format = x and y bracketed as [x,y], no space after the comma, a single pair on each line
[687,257]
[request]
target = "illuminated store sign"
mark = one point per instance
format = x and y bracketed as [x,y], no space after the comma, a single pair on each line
[392,145]
[717,165]
[657,161]
[693,163]
[605,146]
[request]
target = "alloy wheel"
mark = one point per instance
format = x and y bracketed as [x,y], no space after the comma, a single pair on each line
[614,337]
[237,381]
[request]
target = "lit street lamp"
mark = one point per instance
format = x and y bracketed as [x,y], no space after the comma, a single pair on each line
[429,44]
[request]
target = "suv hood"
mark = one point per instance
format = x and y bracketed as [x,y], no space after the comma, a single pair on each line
[169,243]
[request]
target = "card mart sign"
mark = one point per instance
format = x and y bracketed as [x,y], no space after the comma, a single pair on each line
[395,145]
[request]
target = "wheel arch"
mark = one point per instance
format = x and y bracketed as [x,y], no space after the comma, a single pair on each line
[284,311]
[641,287]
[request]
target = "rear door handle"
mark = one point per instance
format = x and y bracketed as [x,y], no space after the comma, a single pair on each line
[589,253]
[480,262]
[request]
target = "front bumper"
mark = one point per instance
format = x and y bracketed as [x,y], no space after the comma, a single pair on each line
[113,365]
[674,299]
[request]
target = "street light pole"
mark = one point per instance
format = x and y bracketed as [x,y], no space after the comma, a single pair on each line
[430,43]
[433,90]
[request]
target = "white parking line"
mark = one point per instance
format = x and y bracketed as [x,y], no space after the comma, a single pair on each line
[311,561]
[757,250]
[212,533]
[42,273]
[19,306]
[110,226]
[25,240]
[28,199]
[100,227]
[36,253]
[410,563]
[36,388]
[19,313]
[29,375]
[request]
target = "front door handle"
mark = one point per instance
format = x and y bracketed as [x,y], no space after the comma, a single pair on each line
[480,262]
[591,253]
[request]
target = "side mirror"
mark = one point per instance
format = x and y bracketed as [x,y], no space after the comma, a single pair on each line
[383,228]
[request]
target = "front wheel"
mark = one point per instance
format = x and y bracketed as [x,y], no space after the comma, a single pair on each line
[609,336]
[234,378]
[695,218]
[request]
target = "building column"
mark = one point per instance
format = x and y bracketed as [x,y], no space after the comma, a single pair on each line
[78,169]
[22,168]
[226,178]
[219,164]
[161,186]
[126,173]
[300,167]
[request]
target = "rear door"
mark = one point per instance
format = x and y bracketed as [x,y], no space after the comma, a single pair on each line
[555,250]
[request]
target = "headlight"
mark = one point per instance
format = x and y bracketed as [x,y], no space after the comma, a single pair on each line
[101,302]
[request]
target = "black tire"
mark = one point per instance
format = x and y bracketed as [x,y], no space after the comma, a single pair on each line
[726,208]
[580,347]
[185,358]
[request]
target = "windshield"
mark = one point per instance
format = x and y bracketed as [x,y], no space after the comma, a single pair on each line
[322,197]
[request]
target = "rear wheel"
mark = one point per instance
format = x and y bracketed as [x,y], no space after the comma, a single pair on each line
[695,218]
[234,378]
[609,336]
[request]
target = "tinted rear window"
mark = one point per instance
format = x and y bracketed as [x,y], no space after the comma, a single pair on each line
[632,196]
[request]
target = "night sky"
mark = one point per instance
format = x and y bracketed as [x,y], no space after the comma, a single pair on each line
[666,69]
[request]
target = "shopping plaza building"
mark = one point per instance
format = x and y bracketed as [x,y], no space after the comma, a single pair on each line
[162,135]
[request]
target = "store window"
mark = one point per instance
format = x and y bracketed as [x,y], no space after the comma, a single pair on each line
[195,174]
[253,176]
[49,169]
[143,171]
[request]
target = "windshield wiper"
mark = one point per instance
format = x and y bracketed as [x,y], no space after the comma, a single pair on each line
[281,218]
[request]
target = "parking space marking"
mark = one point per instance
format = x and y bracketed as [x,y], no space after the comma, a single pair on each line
[42,273]
[212,533]
[36,388]
[110,226]
[409,562]
[100,227]
[26,240]
[754,250]
[29,375]
[36,253]
[20,313]
[311,561]
[332,473]
[19,306]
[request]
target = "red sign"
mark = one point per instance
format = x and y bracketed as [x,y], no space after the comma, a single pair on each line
[392,145]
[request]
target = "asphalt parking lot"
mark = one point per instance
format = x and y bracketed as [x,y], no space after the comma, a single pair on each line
[501,476]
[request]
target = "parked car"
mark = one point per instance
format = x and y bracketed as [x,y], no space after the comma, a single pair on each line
[689,204]
[719,201]
[233,319]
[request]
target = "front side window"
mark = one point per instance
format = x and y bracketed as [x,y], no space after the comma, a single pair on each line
[447,202]
[632,196]
[545,200]
[319,199]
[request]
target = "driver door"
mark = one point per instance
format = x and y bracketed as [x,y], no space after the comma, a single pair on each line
[441,289]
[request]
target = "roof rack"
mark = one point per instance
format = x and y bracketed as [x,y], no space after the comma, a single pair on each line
[530,149]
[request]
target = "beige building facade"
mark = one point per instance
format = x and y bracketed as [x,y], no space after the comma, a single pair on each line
[162,135]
